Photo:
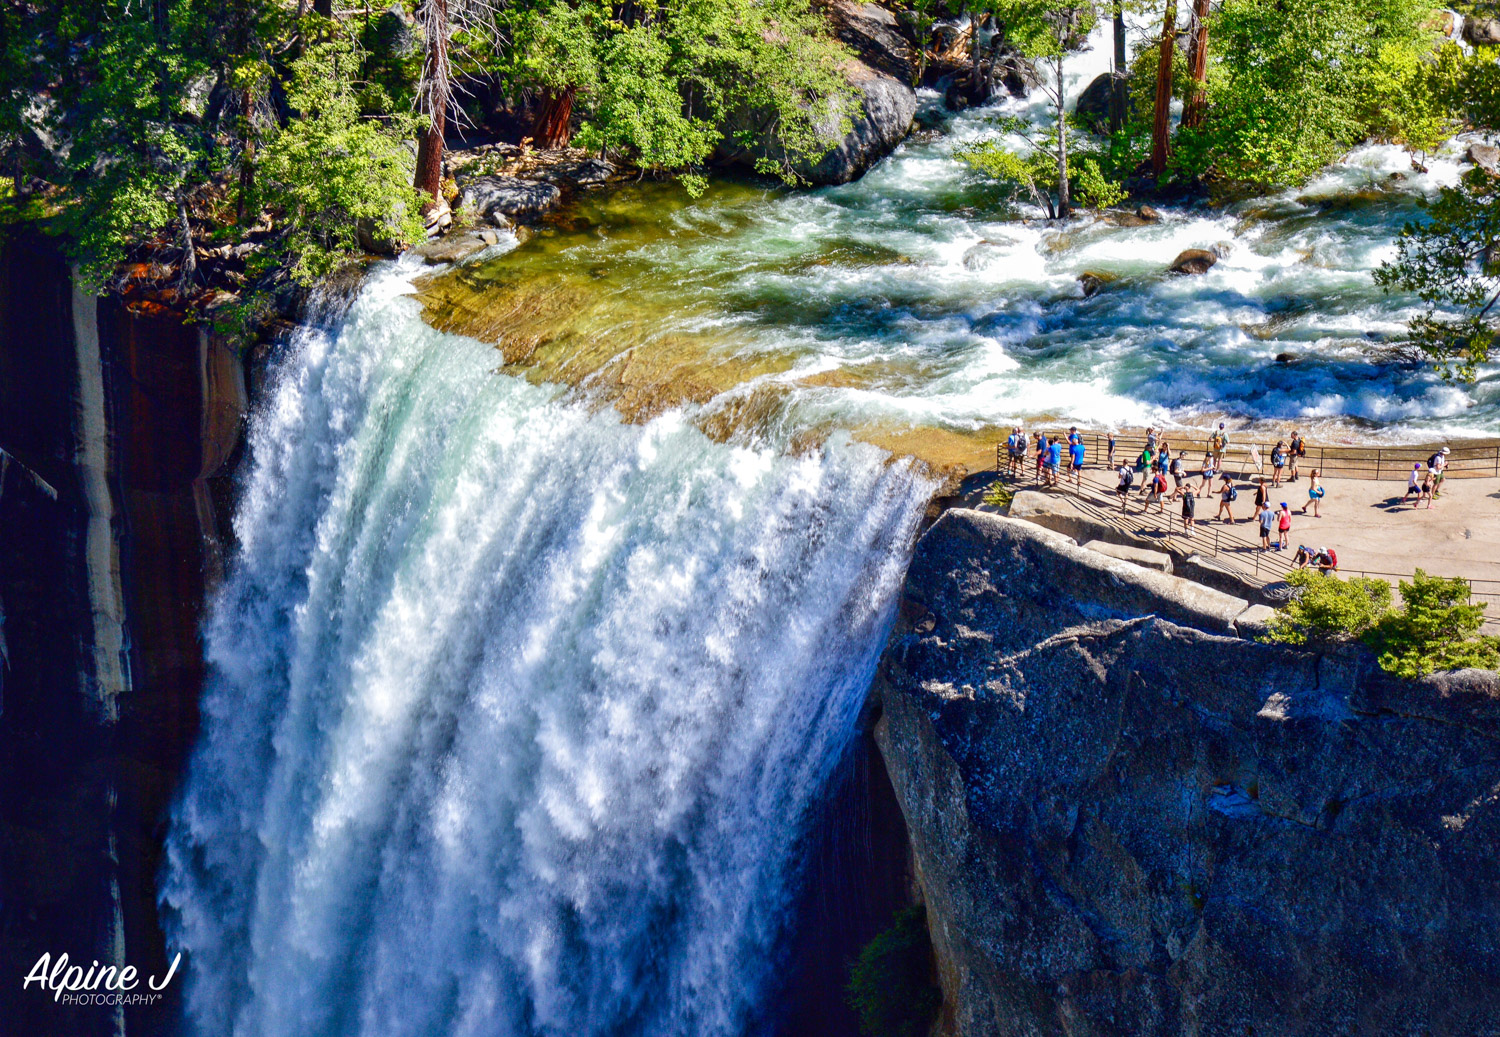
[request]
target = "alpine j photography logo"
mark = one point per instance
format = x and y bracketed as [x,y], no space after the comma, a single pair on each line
[98,984]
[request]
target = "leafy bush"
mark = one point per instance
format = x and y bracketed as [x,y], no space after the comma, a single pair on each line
[1435,629]
[1327,609]
[890,984]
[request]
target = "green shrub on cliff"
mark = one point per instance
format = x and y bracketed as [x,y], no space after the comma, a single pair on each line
[890,984]
[1435,629]
[1326,609]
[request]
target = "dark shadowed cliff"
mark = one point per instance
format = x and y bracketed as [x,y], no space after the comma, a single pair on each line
[1126,820]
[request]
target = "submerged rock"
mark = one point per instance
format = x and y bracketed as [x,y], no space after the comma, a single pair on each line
[1124,819]
[1193,261]
[1287,358]
[1094,282]
[507,196]
[460,245]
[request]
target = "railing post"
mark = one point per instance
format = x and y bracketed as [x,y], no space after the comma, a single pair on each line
[1377,463]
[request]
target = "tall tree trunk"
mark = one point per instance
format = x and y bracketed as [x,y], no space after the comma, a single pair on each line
[1192,113]
[977,92]
[247,153]
[1118,101]
[429,178]
[1162,115]
[189,269]
[554,123]
[1064,192]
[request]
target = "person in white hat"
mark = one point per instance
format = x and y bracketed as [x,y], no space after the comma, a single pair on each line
[1438,462]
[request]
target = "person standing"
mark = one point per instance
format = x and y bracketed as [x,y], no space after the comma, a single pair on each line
[1267,520]
[1297,451]
[1041,456]
[1283,527]
[1262,495]
[1110,459]
[1278,462]
[1206,487]
[1179,476]
[1218,444]
[1315,493]
[1188,502]
[1054,461]
[1127,480]
[1426,492]
[1075,463]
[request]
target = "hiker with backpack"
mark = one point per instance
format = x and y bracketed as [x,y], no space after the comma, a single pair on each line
[1189,501]
[1127,480]
[1227,496]
[1278,462]
[1217,444]
[1437,464]
[1158,487]
[1297,451]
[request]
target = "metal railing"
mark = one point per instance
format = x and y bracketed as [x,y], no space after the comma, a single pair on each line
[1224,545]
[1474,460]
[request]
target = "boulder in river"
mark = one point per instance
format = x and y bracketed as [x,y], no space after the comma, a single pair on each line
[1482,32]
[1486,157]
[1287,358]
[1093,104]
[1093,282]
[460,245]
[1148,214]
[1193,261]
[507,196]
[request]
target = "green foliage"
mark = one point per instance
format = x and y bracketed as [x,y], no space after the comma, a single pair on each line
[1437,629]
[1449,260]
[1031,173]
[1405,98]
[1327,609]
[329,169]
[661,89]
[999,495]
[1294,84]
[890,984]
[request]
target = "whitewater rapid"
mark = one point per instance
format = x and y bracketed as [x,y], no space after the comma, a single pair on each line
[517,714]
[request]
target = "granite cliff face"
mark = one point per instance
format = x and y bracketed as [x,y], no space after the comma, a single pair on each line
[133,421]
[1126,820]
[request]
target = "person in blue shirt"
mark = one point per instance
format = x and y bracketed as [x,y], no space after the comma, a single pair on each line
[1075,453]
[1054,460]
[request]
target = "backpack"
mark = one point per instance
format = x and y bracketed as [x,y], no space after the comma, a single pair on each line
[1434,460]
[1234,494]
[1219,442]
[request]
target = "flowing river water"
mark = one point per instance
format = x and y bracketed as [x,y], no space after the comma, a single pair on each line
[562,575]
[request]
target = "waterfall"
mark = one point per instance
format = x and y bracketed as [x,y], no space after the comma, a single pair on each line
[518,713]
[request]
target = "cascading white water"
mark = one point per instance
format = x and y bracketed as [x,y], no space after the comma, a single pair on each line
[517,713]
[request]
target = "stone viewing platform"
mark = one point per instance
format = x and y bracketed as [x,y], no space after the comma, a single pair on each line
[1364,519]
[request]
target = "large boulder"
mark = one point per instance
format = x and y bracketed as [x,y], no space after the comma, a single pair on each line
[1124,823]
[508,197]
[884,107]
[1193,261]
[1486,157]
[1093,104]
[1482,32]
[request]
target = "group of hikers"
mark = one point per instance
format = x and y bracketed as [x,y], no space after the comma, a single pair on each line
[1165,476]
[1427,485]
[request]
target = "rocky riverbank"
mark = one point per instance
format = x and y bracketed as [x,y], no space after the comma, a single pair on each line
[1126,819]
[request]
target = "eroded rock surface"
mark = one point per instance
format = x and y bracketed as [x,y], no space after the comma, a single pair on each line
[1124,825]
